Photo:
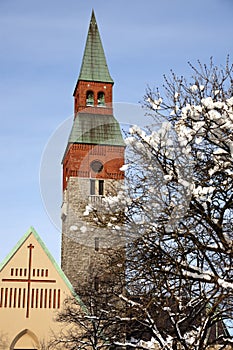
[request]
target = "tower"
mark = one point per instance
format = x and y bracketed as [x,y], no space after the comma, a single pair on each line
[91,167]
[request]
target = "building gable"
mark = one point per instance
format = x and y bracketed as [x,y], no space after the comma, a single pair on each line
[32,289]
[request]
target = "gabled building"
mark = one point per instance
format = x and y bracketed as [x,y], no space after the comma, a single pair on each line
[32,291]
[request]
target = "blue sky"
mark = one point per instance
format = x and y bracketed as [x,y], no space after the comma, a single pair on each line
[42,44]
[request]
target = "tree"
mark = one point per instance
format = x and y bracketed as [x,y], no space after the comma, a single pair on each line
[177,205]
[175,212]
[91,318]
[91,327]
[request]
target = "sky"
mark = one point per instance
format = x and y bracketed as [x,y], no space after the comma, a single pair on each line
[41,49]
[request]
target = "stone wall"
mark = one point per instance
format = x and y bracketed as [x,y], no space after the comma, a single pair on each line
[87,248]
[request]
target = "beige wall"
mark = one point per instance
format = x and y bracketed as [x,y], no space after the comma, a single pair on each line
[34,318]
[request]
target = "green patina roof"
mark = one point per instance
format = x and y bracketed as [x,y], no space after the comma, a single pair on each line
[94,66]
[96,129]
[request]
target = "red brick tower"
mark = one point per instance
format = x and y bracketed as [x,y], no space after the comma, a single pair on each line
[91,164]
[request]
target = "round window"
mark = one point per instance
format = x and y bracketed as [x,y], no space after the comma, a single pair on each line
[96,166]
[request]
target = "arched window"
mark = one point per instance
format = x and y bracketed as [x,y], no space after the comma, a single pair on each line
[89,98]
[101,99]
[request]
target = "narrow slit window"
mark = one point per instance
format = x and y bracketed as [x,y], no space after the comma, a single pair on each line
[32,298]
[97,244]
[92,187]
[19,298]
[45,298]
[37,294]
[15,297]
[24,297]
[41,298]
[96,283]
[101,187]
[1,297]
[54,298]
[50,298]
[58,298]
[10,298]
[6,297]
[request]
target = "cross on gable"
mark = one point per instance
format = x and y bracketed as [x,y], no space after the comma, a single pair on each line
[28,296]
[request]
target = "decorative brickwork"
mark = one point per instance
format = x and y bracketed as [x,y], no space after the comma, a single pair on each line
[80,156]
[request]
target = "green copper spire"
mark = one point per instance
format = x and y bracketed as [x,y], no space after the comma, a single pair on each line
[94,66]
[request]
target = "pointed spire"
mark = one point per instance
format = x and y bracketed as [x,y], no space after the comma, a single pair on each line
[94,66]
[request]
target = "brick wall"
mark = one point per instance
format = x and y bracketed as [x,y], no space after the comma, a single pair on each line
[79,157]
[84,86]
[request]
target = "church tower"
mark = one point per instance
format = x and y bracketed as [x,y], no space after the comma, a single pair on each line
[91,168]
